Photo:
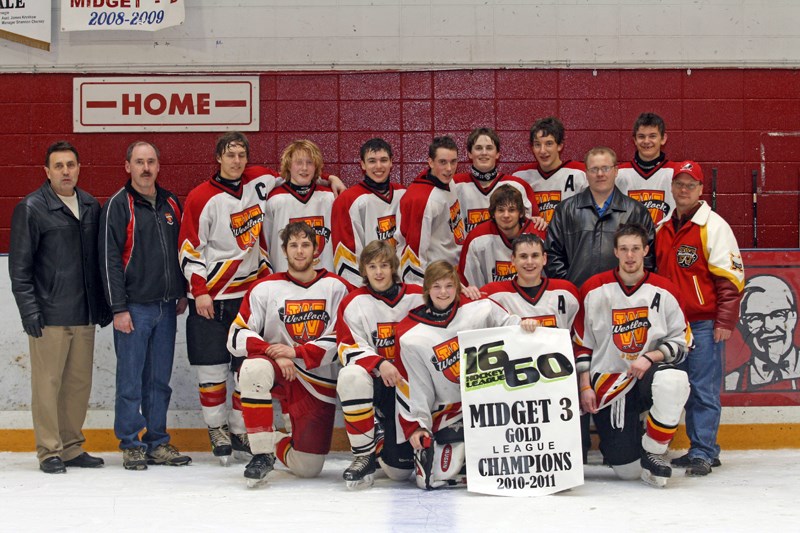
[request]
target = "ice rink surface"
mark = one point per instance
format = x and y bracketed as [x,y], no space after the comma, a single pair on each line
[751,491]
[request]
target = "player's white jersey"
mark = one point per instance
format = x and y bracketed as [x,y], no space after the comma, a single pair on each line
[431,227]
[617,323]
[430,361]
[281,309]
[285,205]
[486,254]
[222,242]
[360,216]
[554,304]
[552,188]
[368,322]
[653,189]
[474,199]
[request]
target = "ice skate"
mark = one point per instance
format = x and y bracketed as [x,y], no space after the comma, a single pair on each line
[361,472]
[257,469]
[655,469]
[221,443]
[240,443]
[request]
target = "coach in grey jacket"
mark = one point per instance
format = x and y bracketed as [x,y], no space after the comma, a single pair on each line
[580,238]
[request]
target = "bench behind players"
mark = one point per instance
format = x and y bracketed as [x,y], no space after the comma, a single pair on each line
[367,347]
[285,328]
[630,333]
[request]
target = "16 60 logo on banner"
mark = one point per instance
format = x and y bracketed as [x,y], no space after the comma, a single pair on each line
[520,404]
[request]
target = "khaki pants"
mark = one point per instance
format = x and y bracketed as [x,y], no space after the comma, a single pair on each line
[61,381]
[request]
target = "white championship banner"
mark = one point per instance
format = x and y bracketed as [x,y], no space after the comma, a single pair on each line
[521,412]
[26,22]
[143,15]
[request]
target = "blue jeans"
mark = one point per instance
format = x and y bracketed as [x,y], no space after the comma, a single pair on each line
[703,409]
[144,368]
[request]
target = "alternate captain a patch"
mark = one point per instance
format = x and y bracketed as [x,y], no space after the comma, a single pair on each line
[655,202]
[630,328]
[384,341]
[246,226]
[305,320]
[446,359]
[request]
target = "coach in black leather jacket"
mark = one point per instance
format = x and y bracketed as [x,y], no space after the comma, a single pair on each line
[55,280]
[580,238]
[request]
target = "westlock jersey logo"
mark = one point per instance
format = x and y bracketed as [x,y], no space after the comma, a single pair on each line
[323,233]
[305,320]
[503,271]
[383,340]
[246,226]
[457,223]
[654,201]
[687,255]
[547,201]
[547,321]
[475,217]
[387,226]
[630,328]
[446,359]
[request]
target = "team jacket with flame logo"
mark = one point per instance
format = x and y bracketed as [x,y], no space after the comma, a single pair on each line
[555,303]
[552,188]
[360,216]
[367,324]
[280,309]
[474,199]
[430,362]
[653,189]
[137,244]
[486,255]
[431,227]
[616,324]
[284,205]
[222,242]
[703,260]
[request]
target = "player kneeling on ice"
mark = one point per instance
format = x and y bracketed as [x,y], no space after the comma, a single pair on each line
[429,400]
[630,333]
[367,349]
[285,329]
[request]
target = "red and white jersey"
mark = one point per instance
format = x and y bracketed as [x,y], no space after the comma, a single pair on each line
[555,303]
[222,240]
[368,322]
[617,323]
[430,362]
[653,189]
[474,199]
[281,309]
[431,227]
[552,188]
[486,255]
[360,216]
[284,205]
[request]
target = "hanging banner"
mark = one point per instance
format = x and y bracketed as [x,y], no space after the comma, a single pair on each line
[26,22]
[521,413]
[144,15]
[166,103]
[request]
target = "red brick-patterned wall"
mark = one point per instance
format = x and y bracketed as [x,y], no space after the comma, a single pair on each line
[735,120]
